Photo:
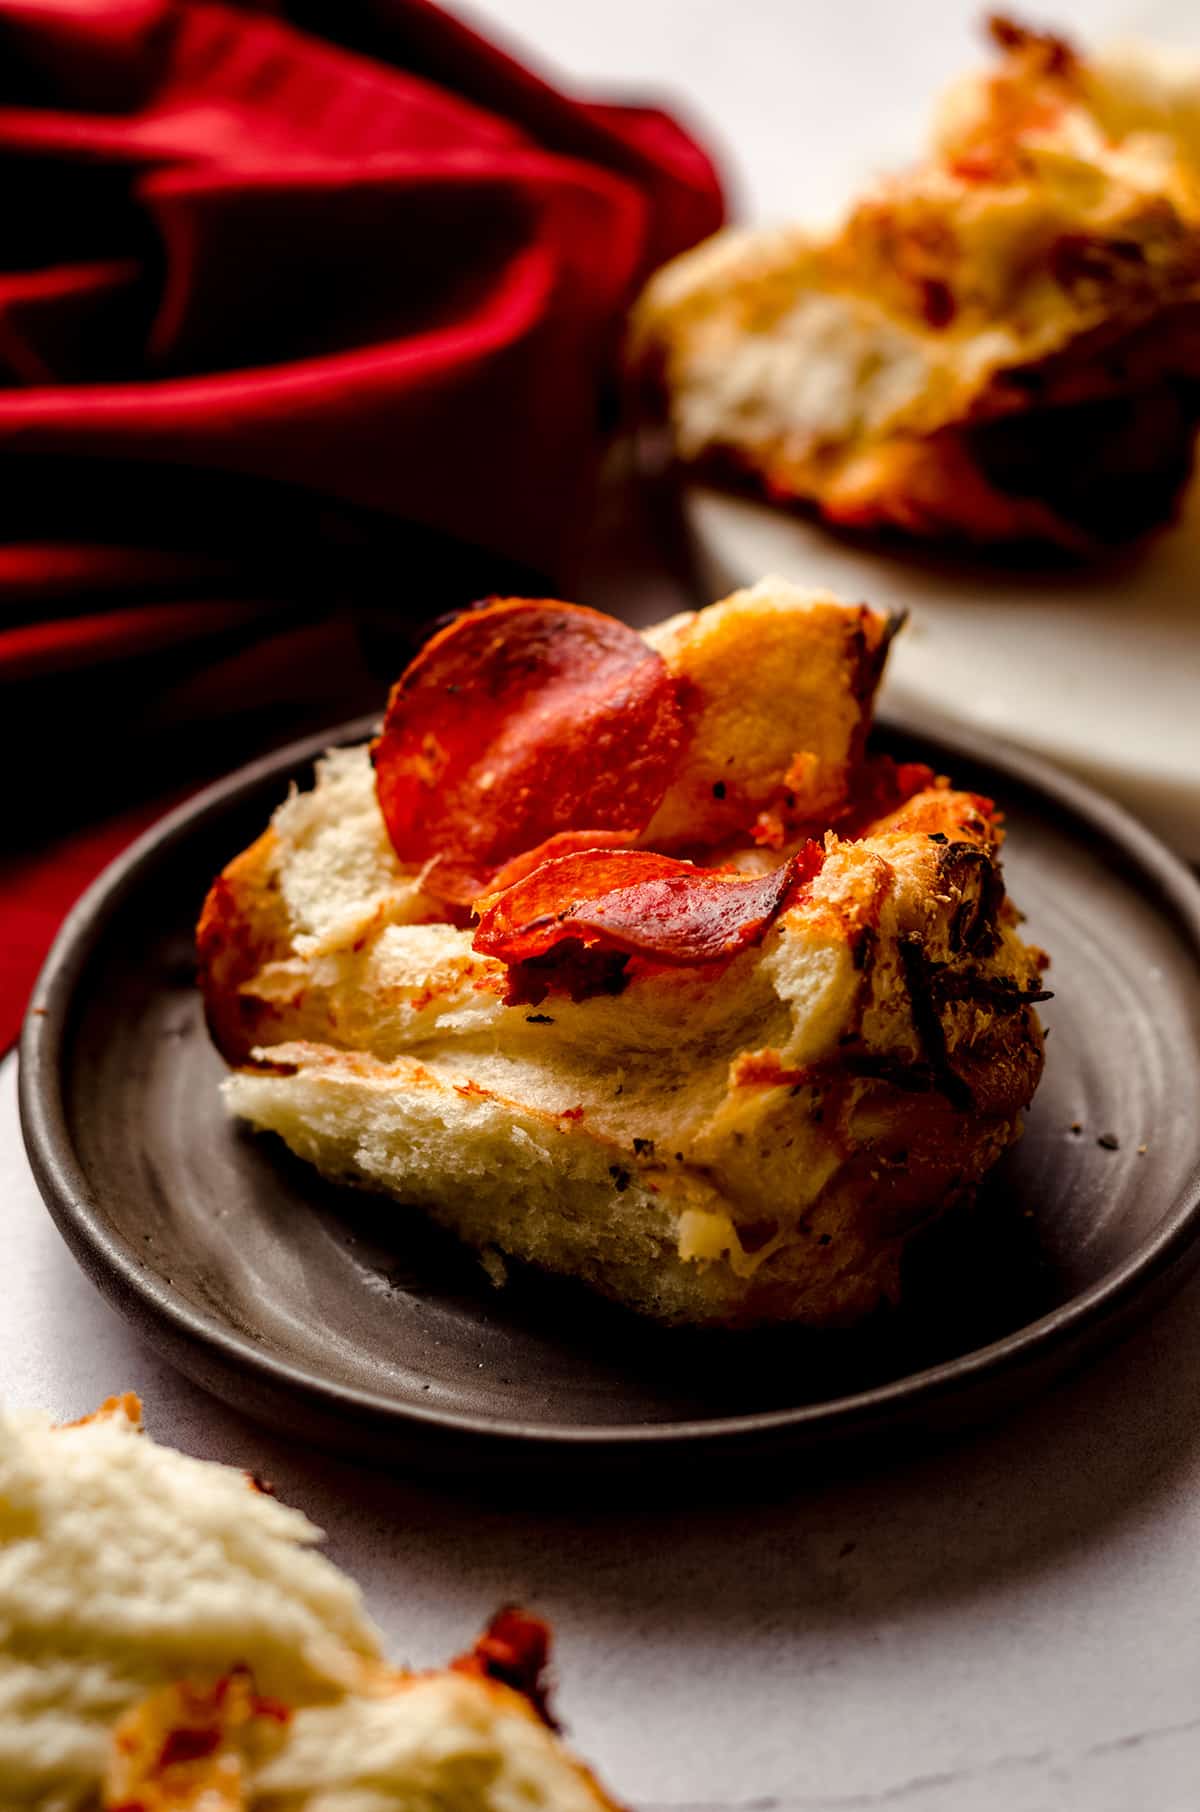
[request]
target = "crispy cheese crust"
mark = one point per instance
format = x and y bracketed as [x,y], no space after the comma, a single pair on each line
[1002,344]
[725,1144]
[170,1643]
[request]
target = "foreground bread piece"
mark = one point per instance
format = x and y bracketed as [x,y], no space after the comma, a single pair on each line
[1001,344]
[169,1642]
[730,1142]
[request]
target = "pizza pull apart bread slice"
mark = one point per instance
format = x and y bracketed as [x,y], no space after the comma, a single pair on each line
[170,1641]
[1002,344]
[616,954]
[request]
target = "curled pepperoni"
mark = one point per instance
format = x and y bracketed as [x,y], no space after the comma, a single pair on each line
[565,843]
[634,903]
[524,719]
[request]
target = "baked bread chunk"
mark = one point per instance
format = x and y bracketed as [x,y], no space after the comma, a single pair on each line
[718,1058]
[171,1642]
[1002,344]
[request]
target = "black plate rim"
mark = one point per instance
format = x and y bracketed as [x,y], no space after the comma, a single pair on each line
[147,1300]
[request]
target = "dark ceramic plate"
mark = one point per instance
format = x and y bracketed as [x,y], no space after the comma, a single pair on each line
[327,1313]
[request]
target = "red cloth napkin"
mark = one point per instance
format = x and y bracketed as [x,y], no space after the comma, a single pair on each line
[303,308]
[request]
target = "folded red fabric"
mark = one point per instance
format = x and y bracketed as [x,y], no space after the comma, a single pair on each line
[282,287]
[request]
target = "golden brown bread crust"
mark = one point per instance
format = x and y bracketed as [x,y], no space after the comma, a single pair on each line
[244,926]
[125,1408]
[740,761]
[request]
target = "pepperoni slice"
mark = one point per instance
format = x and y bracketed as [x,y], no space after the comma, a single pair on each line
[635,903]
[565,843]
[522,720]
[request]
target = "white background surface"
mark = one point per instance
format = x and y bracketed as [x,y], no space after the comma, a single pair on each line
[1010,1626]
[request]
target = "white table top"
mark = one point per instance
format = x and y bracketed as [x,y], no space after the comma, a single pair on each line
[1012,1625]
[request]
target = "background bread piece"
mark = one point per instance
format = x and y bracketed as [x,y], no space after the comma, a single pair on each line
[1001,343]
[435,1741]
[406,1743]
[124,1565]
[141,1590]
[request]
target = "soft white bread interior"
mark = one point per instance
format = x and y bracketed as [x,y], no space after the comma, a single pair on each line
[170,1640]
[124,1565]
[720,1144]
